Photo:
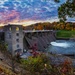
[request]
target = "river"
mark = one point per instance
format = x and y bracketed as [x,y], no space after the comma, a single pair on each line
[62,47]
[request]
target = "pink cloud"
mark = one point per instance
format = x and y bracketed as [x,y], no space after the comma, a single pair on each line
[9,16]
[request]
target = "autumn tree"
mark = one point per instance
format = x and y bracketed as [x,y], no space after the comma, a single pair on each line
[67,9]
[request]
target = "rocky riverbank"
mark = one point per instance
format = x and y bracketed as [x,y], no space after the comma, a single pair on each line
[57,59]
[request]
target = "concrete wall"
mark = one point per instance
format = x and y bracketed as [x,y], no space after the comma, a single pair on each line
[42,39]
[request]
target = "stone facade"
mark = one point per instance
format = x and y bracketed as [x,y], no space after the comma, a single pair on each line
[14,38]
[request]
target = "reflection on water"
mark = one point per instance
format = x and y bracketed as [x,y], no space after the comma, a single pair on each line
[62,47]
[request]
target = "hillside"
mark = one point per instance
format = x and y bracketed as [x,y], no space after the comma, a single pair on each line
[6,65]
[5,68]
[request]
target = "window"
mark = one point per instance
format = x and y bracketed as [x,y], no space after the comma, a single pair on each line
[10,28]
[17,34]
[17,28]
[17,45]
[17,40]
[9,35]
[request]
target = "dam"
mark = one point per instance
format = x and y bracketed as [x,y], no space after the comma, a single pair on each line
[19,40]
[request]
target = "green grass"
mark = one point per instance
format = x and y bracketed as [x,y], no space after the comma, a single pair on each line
[65,34]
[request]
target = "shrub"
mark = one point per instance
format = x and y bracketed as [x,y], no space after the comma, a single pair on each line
[41,65]
[3,46]
[36,64]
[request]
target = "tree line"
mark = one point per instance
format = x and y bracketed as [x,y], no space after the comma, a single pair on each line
[51,26]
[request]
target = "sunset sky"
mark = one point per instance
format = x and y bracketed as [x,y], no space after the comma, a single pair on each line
[28,11]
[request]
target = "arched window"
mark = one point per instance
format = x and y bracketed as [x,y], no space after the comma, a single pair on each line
[17,28]
[17,40]
[17,34]
[17,45]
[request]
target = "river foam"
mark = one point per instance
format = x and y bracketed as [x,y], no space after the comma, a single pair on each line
[64,45]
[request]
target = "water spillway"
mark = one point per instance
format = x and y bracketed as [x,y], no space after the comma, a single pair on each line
[42,39]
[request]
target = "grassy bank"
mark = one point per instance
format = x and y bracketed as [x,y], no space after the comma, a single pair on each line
[65,34]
